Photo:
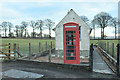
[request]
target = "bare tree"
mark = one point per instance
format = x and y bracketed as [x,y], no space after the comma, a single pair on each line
[33,25]
[114,22]
[4,26]
[40,24]
[84,18]
[49,23]
[10,25]
[25,25]
[102,20]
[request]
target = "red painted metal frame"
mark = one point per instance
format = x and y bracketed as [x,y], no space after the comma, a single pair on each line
[77,61]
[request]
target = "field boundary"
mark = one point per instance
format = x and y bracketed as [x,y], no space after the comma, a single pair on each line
[31,38]
[104,39]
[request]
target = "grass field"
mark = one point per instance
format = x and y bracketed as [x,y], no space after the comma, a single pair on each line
[24,44]
[110,41]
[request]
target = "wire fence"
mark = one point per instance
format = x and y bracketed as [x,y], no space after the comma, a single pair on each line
[40,48]
[109,47]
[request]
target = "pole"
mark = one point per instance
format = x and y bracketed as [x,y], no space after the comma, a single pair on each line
[91,57]
[15,52]
[9,51]
[39,47]
[18,50]
[51,45]
[50,53]
[29,50]
[108,47]
[113,55]
[118,59]
[46,45]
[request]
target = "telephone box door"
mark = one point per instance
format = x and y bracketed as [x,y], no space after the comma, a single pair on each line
[71,43]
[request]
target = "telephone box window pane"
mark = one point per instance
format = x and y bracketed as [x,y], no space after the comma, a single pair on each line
[74,43]
[70,50]
[70,47]
[69,54]
[71,58]
[80,32]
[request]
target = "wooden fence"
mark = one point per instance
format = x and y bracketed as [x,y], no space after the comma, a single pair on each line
[110,48]
[9,52]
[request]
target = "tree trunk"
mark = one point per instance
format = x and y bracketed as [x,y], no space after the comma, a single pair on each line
[21,33]
[33,33]
[25,32]
[16,32]
[9,32]
[103,33]
[40,33]
[49,33]
[115,32]
[5,32]
[94,32]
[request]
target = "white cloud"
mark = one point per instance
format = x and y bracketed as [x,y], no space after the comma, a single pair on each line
[90,10]
[86,9]
[8,13]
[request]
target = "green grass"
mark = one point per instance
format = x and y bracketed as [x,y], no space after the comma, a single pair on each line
[110,41]
[24,44]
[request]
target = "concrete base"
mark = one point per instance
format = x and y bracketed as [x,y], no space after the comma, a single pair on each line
[83,53]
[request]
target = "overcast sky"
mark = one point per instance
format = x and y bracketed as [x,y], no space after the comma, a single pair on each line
[26,10]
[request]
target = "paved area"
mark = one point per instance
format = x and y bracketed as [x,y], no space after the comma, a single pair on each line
[52,71]
[59,72]
[99,64]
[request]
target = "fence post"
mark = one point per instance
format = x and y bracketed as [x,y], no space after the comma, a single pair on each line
[113,55]
[91,57]
[39,47]
[118,59]
[29,50]
[51,45]
[105,46]
[111,51]
[108,47]
[9,51]
[46,45]
[50,53]
[18,50]
[42,48]
[15,52]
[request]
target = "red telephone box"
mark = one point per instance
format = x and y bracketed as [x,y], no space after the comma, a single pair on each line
[71,43]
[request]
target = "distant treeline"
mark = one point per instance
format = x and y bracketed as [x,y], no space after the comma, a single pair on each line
[23,30]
